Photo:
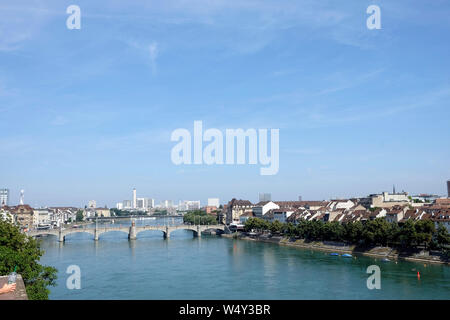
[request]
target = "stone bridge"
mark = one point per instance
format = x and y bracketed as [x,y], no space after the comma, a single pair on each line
[132,231]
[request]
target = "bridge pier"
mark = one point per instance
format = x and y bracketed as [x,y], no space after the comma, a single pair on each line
[166,233]
[61,236]
[198,233]
[132,232]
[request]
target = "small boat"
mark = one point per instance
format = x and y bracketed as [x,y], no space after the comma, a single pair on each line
[347,255]
[385,260]
[334,254]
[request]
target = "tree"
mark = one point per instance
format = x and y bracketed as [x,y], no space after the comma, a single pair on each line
[300,229]
[199,217]
[79,215]
[276,226]
[18,249]
[289,229]
[408,235]
[424,231]
[333,231]
[250,224]
[376,232]
[393,234]
[353,231]
[313,230]
[442,235]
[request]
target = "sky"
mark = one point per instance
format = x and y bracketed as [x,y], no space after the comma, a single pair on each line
[88,114]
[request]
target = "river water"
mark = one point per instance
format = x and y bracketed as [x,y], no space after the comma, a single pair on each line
[212,267]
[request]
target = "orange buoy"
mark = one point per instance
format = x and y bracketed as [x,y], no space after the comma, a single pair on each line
[418,275]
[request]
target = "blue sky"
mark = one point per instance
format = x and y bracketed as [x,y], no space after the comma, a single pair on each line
[87,114]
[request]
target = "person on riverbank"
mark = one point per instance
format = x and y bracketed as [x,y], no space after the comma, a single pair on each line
[8,288]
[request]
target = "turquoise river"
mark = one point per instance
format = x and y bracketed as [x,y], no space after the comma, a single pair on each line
[213,267]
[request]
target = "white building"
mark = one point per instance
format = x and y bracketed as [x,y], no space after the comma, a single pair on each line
[134,199]
[126,204]
[4,197]
[119,205]
[213,202]
[145,203]
[5,215]
[261,208]
[386,200]
[189,205]
[282,214]
[166,204]
[92,204]
[58,215]
[41,216]
[340,204]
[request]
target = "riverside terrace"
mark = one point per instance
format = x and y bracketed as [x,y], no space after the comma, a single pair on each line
[132,231]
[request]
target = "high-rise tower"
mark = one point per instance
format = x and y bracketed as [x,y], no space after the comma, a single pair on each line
[4,197]
[134,199]
[22,196]
[448,188]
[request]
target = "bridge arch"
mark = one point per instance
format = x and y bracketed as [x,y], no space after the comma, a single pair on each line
[185,227]
[156,229]
[101,232]
[66,233]
[40,234]
[217,230]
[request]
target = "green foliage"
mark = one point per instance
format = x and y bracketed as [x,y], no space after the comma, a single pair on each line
[276,227]
[424,232]
[333,231]
[79,215]
[407,234]
[17,249]
[442,235]
[160,213]
[370,233]
[256,224]
[393,234]
[353,232]
[199,217]
[376,232]
[289,229]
